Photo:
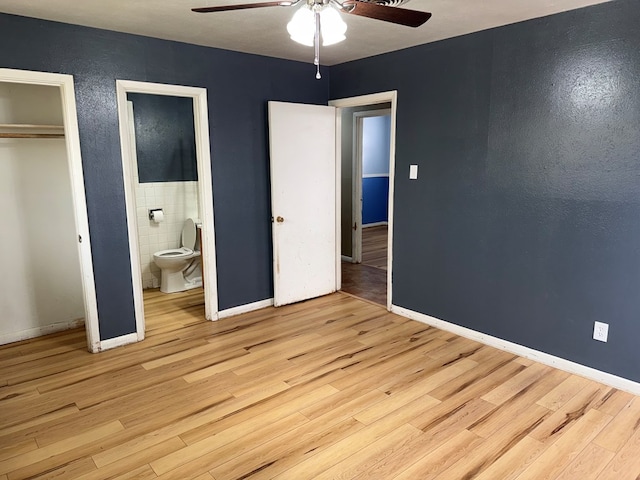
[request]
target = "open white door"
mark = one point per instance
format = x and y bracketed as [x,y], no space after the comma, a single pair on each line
[303,199]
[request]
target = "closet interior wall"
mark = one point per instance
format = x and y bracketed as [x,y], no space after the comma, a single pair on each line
[40,283]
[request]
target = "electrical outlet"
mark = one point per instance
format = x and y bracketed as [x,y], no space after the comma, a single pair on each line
[600,331]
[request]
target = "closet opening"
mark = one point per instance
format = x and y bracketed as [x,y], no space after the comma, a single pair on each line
[45,243]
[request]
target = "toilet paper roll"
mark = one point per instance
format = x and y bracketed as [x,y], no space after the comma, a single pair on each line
[158,216]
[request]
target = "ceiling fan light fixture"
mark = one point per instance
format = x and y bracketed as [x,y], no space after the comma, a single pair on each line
[332,26]
[302,26]
[320,20]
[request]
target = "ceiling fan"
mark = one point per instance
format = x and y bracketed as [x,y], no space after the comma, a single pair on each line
[318,19]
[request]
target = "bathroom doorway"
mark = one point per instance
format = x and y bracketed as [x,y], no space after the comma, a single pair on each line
[46,248]
[167,175]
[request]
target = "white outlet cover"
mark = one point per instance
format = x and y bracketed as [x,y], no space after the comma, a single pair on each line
[413,172]
[600,331]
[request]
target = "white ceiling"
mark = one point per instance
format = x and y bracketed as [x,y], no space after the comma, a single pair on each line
[263,30]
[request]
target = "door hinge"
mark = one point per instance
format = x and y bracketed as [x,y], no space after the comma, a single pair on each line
[355,225]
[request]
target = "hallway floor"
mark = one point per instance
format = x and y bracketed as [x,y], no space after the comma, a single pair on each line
[368,280]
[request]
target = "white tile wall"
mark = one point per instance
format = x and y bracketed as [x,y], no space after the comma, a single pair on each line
[179,201]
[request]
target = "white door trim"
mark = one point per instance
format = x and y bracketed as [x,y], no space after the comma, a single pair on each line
[205,190]
[356,189]
[358,167]
[372,99]
[74,158]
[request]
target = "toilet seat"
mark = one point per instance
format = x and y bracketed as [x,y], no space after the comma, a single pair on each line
[187,241]
[180,267]
[182,252]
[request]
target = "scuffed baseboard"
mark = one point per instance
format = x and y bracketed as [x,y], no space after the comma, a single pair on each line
[39,331]
[249,307]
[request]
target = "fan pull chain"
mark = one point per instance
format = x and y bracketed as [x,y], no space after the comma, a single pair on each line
[316,42]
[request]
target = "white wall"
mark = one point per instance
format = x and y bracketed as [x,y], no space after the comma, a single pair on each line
[40,285]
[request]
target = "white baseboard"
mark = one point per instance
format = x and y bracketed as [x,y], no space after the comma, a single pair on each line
[249,307]
[230,312]
[526,352]
[118,341]
[374,224]
[347,259]
[39,331]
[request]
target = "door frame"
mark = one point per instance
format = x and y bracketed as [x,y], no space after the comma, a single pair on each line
[356,187]
[74,162]
[361,101]
[205,191]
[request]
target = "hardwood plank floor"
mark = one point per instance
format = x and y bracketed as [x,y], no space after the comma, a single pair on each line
[330,388]
[368,280]
[374,246]
[365,282]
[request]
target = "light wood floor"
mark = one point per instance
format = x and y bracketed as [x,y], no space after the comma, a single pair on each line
[368,279]
[374,246]
[365,282]
[330,388]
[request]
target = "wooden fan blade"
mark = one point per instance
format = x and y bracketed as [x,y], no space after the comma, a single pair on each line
[401,16]
[225,8]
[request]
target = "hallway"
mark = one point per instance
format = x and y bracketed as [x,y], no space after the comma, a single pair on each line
[368,280]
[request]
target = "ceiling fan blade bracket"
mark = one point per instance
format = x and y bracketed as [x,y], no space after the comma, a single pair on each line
[343,7]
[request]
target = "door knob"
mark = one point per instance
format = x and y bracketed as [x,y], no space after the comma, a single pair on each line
[279,219]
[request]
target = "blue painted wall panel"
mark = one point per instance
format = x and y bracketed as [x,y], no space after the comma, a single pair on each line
[375,199]
[165,138]
[523,223]
[376,140]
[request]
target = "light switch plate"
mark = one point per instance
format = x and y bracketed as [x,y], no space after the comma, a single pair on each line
[413,172]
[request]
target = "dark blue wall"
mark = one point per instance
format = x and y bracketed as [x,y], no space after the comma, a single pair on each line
[165,138]
[375,199]
[525,220]
[239,85]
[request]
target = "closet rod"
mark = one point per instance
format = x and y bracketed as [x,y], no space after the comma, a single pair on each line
[31,126]
[31,135]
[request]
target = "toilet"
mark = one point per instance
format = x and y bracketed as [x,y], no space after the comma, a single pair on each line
[180,268]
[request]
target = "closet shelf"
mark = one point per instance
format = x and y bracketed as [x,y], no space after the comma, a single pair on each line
[23,130]
[31,135]
[31,126]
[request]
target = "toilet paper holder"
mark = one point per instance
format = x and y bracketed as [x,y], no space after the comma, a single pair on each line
[153,211]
